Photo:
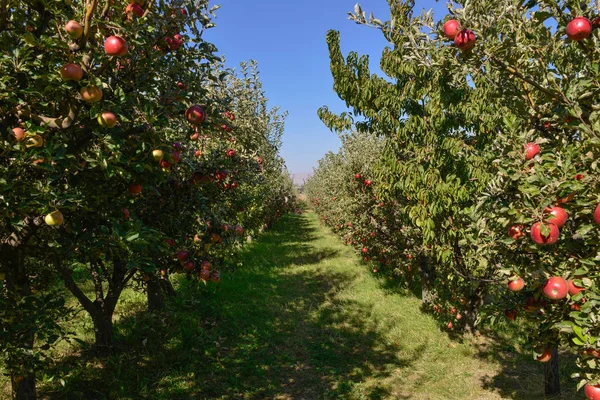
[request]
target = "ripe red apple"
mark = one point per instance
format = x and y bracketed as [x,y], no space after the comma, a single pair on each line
[226,128]
[205,274]
[546,355]
[592,392]
[170,242]
[18,133]
[182,255]
[465,39]
[164,164]
[175,157]
[516,231]
[71,72]
[107,119]
[260,160]
[194,137]
[597,214]
[451,29]
[134,8]
[91,94]
[365,250]
[515,285]
[579,177]
[558,216]
[556,288]
[579,28]
[510,314]
[574,289]
[195,115]
[135,188]
[450,325]
[198,153]
[205,265]
[188,266]
[115,46]
[230,153]
[531,150]
[125,213]
[215,277]
[537,237]
[74,29]
[357,176]
[368,182]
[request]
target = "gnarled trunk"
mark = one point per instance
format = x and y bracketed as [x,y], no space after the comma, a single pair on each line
[23,387]
[427,275]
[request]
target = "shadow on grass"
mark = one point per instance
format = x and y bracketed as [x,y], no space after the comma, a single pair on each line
[521,377]
[268,331]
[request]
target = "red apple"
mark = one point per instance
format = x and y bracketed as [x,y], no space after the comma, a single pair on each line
[510,314]
[368,182]
[365,250]
[465,39]
[215,277]
[125,213]
[515,285]
[556,288]
[71,72]
[597,214]
[195,115]
[451,29]
[592,392]
[205,274]
[531,150]
[182,255]
[205,265]
[574,289]
[135,188]
[230,153]
[107,119]
[134,8]
[18,133]
[74,29]
[260,161]
[115,46]
[226,128]
[357,176]
[91,94]
[550,238]
[164,164]
[546,355]
[516,231]
[188,266]
[579,28]
[175,157]
[558,216]
[450,325]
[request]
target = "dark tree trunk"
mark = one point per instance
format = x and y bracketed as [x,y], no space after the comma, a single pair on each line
[156,298]
[12,262]
[551,375]
[167,286]
[472,306]
[103,329]
[102,309]
[427,273]
[24,387]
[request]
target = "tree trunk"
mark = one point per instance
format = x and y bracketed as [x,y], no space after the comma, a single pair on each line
[156,298]
[472,306]
[427,273]
[24,387]
[167,286]
[551,375]
[103,329]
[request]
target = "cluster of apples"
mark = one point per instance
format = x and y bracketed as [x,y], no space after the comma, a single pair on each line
[578,29]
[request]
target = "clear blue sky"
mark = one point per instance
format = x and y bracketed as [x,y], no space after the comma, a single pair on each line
[287,38]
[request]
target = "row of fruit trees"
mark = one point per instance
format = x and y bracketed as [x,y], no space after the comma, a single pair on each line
[128,153]
[472,167]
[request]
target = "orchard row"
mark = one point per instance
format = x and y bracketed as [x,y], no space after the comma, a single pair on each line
[129,153]
[474,172]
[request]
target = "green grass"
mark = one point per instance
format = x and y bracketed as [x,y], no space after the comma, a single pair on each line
[302,319]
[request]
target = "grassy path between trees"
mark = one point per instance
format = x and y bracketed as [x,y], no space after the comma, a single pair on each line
[302,319]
